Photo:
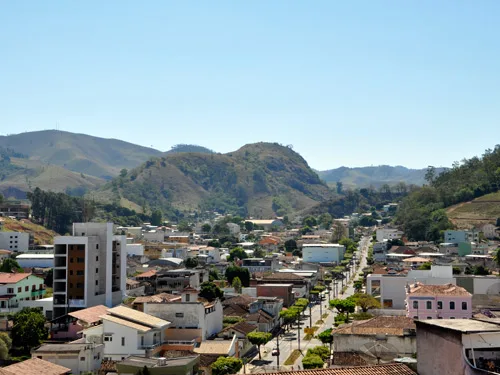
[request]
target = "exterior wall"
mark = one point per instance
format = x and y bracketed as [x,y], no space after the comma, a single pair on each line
[285,292]
[14,241]
[457,236]
[92,356]
[190,369]
[44,303]
[30,288]
[135,249]
[422,312]
[439,351]
[115,350]
[388,234]
[157,236]
[35,262]
[319,254]
[405,346]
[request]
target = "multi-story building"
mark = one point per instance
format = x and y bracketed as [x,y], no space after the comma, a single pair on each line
[18,287]
[388,234]
[89,268]
[446,301]
[323,253]
[458,236]
[15,241]
[17,210]
[177,280]
[268,264]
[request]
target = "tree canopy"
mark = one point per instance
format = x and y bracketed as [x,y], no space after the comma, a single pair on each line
[242,273]
[191,262]
[343,306]
[237,252]
[365,301]
[226,366]
[29,329]
[326,336]
[210,291]
[9,265]
[312,361]
[259,338]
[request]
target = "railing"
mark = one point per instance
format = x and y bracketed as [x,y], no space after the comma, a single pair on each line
[168,342]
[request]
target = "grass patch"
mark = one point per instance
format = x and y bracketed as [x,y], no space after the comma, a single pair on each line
[308,337]
[292,358]
[325,315]
[361,316]
[319,322]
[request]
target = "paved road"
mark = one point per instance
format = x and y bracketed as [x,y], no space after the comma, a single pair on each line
[288,340]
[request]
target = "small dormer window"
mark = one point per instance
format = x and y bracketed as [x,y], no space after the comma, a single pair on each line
[188,296]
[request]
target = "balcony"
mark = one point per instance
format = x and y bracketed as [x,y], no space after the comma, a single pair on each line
[36,293]
[79,303]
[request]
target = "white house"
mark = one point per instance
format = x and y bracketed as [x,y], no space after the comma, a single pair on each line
[489,231]
[126,331]
[323,253]
[190,312]
[388,234]
[15,241]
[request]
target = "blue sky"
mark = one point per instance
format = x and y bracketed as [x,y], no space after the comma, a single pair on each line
[351,83]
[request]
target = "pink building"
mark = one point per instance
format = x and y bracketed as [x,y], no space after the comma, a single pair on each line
[446,301]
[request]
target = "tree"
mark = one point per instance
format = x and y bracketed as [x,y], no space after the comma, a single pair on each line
[325,220]
[248,226]
[321,351]
[123,173]
[9,265]
[214,274]
[358,285]
[309,221]
[242,273]
[29,329]
[236,284]
[481,271]
[339,187]
[367,221]
[5,345]
[210,291]
[289,316]
[365,301]
[237,252]
[184,226]
[191,262]
[430,174]
[290,245]
[338,231]
[259,253]
[259,338]
[156,218]
[1,198]
[343,306]
[425,266]
[326,337]
[497,223]
[312,361]
[226,366]
[206,228]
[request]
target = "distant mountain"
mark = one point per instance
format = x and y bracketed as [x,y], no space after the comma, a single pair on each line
[374,176]
[261,179]
[189,148]
[100,157]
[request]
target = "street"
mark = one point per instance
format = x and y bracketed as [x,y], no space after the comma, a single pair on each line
[288,340]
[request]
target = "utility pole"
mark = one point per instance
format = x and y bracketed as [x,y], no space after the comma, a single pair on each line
[278,348]
[310,313]
[298,330]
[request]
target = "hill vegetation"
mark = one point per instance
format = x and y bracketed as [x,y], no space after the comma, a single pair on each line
[377,176]
[41,235]
[261,180]
[422,214]
[189,148]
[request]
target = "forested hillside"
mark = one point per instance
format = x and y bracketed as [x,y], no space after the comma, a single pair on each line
[422,214]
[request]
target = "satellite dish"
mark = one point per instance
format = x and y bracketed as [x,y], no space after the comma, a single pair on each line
[379,350]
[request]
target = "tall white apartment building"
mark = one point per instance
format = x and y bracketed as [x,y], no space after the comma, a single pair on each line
[89,268]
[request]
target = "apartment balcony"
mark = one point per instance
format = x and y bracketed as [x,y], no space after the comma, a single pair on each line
[78,303]
[37,293]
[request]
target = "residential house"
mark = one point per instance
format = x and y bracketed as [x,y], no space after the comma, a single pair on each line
[267,224]
[71,325]
[270,243]
[489,231]
[189,313]
[301,284]
[261,312]
[323,253]
[210,350]
[446,301]
[16,210]
[138,303]
[18,287]
[125,331]
[268,264]
[177,280]
[17,242]
[415,261]
[79,356]
[458,347]
[376,340]
[234,229]
[240,330]
[388,234]
[380,250]
[186,363]
[282,291]
[34,366]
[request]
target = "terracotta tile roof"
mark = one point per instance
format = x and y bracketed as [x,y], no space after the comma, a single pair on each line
[132,282]
[390,325]
[147,274]
[214,347]
[402,250]
[282,276]
[242,327]
[91,315]
[137,316]
[158,298]
[34,366]
[12,278]
[387,369]
[438,290]
[242,300]
[416,259]
[234,310]
[190,289]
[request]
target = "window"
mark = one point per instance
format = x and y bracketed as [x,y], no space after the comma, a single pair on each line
[142,340]
[452,305]
[415,317]
[97,270]
[464,305]
[80,260]
[415,304]
[79,273]
[97,282]
[429,317]
[429,305]
[179,315]
[71,260]
[97,246]
[10,290]
[440,305]
[108,338]
[97,259]
[19,289]
[452,317]
[79,285]
[440,317]
[187,297]
[123,341]
[26,288]
[71,272]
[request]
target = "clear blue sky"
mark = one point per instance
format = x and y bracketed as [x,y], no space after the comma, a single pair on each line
[351,83]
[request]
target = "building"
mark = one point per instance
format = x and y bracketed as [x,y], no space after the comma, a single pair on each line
[268,264]
[388,234]
[240,330]
[446,301]
[301,281]
[35,366]
[189,313]
[261,312]
[17,210]
[458,347]
[375,340]
[489,231]
[380,250]
[69,326]
[385,369]
[177,280]
[29,260]
[323,253]
[126,332]
[391,288]
[17,242]
[234,229]
[458,236]
[89,268]
[18,287]
[135,249]
[80,357]
[266,224]
[187,364]
[282,291]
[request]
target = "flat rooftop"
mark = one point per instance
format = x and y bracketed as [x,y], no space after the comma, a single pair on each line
[463,325]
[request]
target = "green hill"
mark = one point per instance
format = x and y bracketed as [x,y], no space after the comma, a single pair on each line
[377,176]
[261,179]
[100,157]
[483,210]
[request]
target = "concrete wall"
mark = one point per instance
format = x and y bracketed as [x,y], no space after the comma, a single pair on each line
[439,351]
[320,254]
[115,350]
[135,249]
[394,345]
[14,241]
[181,315]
